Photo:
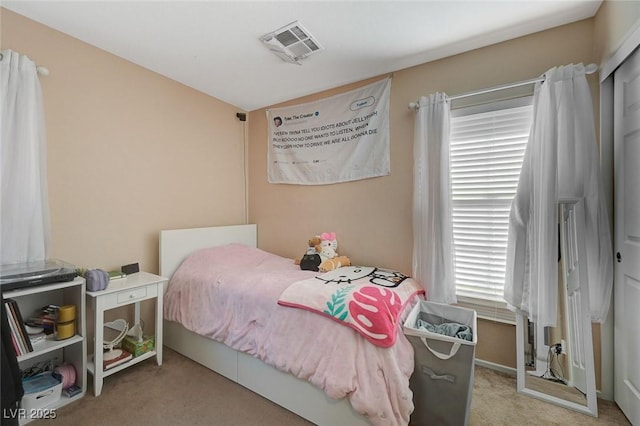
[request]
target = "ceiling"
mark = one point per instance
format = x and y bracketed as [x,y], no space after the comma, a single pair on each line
[214,47]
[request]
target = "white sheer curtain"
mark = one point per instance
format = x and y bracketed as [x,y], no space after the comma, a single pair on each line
[561,161]
[433,262]
[24,208]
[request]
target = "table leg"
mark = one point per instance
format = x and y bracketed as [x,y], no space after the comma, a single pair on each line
[97,347]
[159,316]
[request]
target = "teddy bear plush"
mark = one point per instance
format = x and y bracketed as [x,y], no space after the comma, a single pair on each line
[313,247]
[311,259]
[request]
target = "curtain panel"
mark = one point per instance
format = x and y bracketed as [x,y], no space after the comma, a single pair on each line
[433,261]
[24,208]
[561,162]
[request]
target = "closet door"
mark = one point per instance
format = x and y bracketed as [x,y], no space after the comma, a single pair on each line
[627,236]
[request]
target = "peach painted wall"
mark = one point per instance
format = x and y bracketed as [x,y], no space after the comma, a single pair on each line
[373,217]
[129,152]
[612,25]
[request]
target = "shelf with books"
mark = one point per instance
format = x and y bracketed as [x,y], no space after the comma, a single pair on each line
[47,349]
[50,345]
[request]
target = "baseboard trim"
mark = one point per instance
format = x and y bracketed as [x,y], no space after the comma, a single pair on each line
[498,367]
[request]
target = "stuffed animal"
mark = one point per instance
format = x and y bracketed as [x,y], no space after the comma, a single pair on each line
[334,263]
[328,245]
[313,248]
[329,253]
[322,254]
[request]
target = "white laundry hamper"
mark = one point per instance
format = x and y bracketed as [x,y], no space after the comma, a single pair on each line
[442,380]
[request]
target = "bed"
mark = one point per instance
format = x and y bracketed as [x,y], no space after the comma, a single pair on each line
[310,391]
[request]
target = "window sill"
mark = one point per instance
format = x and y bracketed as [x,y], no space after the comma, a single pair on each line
[488,309]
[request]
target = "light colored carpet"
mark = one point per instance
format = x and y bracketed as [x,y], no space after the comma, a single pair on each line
[182,392]
[496,402]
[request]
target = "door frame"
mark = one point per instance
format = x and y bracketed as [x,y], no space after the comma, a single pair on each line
[607,69]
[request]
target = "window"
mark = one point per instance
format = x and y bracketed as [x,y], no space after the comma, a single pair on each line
[487,148]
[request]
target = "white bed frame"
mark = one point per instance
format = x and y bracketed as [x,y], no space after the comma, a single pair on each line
[286,390]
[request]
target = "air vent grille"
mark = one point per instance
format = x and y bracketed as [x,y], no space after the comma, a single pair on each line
[291,43]
[311,45]
[287,38]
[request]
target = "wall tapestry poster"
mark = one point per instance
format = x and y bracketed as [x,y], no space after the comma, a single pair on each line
[337,139]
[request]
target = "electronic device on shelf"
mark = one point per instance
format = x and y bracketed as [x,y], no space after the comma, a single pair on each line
[48,271]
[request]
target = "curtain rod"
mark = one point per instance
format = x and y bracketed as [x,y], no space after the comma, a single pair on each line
[589,69]
[41,70]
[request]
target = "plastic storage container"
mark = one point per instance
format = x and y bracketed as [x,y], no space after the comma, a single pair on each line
[40,391]
[442,381]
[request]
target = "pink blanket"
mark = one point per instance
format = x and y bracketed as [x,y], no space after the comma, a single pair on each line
[230,294]
[369,300]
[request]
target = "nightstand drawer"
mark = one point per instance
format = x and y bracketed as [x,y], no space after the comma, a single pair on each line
[127,296]
[131,295]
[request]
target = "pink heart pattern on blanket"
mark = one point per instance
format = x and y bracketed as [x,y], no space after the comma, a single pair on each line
[369,300]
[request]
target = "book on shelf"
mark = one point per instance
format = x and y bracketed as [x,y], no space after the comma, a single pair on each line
[115,275]
[72,391]
[20,319]
[15,319]
[121,359]
[15,336]
[16,348]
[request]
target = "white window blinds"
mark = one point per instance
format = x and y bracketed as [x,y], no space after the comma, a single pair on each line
[487,148]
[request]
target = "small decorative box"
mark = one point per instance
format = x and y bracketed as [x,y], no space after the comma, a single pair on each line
[136,348]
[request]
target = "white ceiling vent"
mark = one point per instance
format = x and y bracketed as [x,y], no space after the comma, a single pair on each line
[291,43]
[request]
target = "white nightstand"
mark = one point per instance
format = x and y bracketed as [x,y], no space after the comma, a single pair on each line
[120,292]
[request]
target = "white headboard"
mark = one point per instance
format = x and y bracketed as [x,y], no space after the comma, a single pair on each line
[177,244]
